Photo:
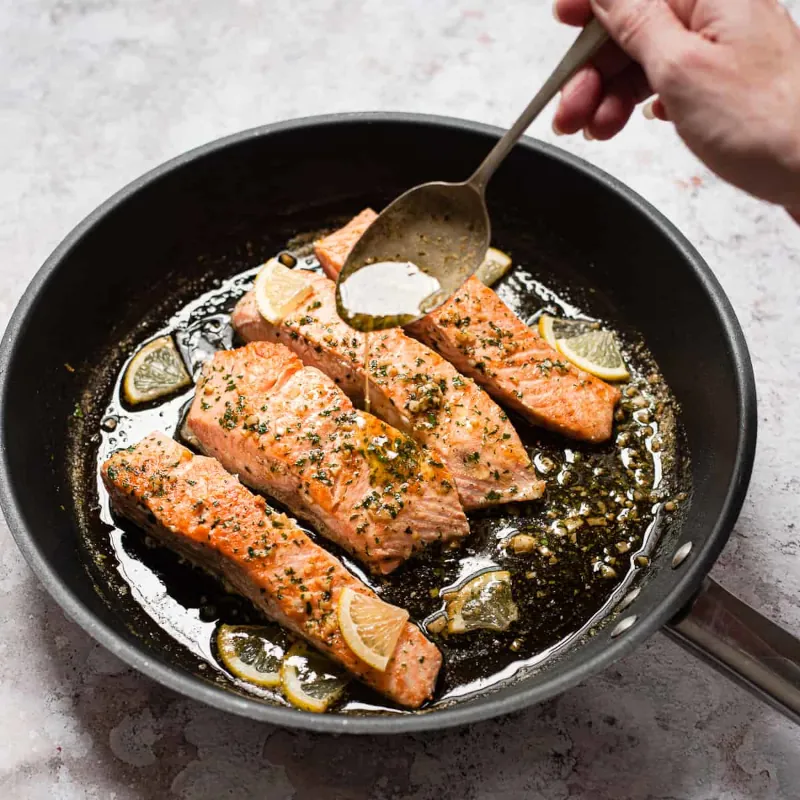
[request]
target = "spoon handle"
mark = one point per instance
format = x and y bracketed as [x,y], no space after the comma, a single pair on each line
[589,41]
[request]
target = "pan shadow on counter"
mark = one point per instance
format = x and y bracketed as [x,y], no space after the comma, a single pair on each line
[637,730]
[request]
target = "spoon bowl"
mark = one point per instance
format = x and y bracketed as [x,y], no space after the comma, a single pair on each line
[438,232]
[441,228]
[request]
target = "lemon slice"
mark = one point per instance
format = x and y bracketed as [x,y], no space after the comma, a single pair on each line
[553,328]
[280,290]
[156,370]
[309,680]
[252,652]
[597,353]
[370,627]
[494,266]
[483,602]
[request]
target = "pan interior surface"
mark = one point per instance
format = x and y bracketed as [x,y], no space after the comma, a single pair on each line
[226,208]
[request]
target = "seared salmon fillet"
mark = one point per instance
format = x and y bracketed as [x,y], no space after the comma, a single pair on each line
[481,336]
[484,338]
[288,430]
[193,506]
[332,251]
[412,388]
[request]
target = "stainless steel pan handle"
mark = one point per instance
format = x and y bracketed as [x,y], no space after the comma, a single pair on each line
[744,645]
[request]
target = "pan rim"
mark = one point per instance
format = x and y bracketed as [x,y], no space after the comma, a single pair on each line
[172,677]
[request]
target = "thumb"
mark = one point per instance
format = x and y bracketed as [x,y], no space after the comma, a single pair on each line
[647,30]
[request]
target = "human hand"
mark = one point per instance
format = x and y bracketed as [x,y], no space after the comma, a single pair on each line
[725,72]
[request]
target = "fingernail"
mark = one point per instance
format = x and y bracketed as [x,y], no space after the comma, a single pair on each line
[556,130]
[588,136]
[648,110]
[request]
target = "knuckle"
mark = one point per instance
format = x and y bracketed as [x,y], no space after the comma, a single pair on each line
[676,67]
[630,19]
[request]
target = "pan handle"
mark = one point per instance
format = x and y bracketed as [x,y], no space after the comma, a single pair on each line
[742,644]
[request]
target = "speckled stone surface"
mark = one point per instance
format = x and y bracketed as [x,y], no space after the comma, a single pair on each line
[95,92]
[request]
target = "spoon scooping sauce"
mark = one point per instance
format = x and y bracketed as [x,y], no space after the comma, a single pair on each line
[387,294]
[446,225]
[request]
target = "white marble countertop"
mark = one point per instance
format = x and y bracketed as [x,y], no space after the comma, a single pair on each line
[95,92]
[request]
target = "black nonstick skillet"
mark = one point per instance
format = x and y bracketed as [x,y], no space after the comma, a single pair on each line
[149,242]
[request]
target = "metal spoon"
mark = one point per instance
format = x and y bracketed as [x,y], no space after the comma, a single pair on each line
[443,228]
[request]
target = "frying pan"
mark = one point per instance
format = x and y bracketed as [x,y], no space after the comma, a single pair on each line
[212,209]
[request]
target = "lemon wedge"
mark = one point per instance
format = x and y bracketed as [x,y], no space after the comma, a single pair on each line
[597,353]
[155,371]
[280,290]
[309,680]
[483,602]
[370,627]
[253,652]
[495,264]
[553,328]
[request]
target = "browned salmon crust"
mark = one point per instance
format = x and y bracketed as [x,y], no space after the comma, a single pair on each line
[193,506]
[412,388]
[481,336]
[288,430]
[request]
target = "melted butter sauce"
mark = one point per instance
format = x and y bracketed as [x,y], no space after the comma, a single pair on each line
[386,294]
[603,508]
[366,372]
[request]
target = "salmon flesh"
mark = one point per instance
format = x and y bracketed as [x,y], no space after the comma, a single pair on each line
[483,338]
[193,506]
[289,431]
[412,388]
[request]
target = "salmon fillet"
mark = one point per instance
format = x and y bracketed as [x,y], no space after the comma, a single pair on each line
[332,251]
[288,430]
[411,387]
[481,336]
[193,506]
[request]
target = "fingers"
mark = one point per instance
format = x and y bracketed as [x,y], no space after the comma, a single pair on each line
[610,60]
[647,30]
[572,12]
[655,110]
[621,97]
[601,97]
[582,95]
[602,108]
[579,101]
